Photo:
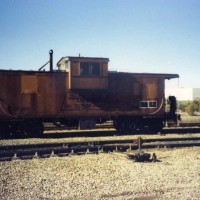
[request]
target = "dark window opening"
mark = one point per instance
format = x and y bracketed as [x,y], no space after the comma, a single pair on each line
[143,104]
[152,104]
[89,69]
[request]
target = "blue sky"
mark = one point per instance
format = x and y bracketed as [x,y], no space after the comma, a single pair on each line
[160,36]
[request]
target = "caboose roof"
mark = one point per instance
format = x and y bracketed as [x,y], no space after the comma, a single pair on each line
[82,59]
[158,75]
[100,59]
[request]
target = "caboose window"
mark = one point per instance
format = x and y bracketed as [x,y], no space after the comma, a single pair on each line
[152,104]
[148,104]
[89,69]
[143,104]
[84,69]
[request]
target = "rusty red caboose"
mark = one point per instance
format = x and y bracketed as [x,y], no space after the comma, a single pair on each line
[82,92]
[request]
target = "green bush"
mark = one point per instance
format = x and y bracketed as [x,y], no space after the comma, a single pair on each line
[190,109]
[189,106]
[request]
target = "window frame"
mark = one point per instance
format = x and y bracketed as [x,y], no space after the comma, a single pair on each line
[90,69]
[148,104]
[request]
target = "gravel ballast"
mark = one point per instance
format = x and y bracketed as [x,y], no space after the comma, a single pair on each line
[104,176]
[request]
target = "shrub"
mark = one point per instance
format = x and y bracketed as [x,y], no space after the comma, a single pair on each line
[190,109]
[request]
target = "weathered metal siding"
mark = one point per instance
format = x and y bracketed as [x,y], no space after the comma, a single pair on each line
[32,95]
[104,69]
[130,89]
[89,83]
[41,94]
[9,103]
[153,90]
[51,91]
[123,96]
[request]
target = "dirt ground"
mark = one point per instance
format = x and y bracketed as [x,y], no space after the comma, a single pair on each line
[104,176]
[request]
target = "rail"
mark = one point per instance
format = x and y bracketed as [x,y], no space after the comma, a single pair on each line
[30,151]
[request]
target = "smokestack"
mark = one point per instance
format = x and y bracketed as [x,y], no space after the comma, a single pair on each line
[51,60]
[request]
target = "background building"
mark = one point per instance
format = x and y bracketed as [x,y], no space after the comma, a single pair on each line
[183,94]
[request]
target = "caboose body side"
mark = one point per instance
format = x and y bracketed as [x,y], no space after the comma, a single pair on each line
[81,93]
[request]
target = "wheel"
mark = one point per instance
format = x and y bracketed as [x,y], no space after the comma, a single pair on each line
[155,126]
[124,126]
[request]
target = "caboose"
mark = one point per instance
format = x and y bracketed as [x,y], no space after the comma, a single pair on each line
[81,93]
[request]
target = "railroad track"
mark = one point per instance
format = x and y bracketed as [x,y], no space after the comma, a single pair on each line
[109,125]
[111,132]
[51,126]
[30,151]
